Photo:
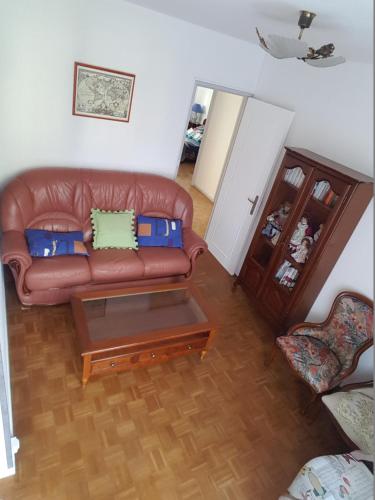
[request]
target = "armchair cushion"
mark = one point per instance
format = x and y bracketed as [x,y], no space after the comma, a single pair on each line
[311,359]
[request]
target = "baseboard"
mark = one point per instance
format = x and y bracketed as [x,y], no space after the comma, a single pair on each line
[203,192]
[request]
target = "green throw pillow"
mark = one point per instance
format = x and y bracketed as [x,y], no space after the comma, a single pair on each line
[113,229]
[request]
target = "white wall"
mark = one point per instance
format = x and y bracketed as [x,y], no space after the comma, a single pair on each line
[203,96]
[334,110]
[224,112]
[40,40]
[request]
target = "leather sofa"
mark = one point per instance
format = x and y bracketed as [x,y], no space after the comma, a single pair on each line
[60,199]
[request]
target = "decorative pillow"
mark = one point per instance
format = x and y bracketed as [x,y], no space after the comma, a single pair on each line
[50,243]
[113,229]
[354,412]
[156,232]
[333,477]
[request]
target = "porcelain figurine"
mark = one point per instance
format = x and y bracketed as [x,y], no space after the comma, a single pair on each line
[303,229]
[302,251]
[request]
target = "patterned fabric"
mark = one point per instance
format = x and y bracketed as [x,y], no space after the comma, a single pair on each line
[312,359]
[44,243]
[350,327]
[354,412]
[157,232]
[333,477]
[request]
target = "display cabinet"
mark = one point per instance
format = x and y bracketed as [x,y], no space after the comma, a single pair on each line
[312,210]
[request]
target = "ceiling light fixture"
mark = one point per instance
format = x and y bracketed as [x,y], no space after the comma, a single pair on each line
[282,47]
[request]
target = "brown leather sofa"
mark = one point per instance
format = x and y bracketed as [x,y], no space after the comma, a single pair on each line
[60,199]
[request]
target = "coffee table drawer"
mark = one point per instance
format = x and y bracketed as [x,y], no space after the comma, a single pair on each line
[172,351]
[111,364]
[147,357]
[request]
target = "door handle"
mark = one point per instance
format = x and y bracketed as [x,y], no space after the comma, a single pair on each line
[253,203]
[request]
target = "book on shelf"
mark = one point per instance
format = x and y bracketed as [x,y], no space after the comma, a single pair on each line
[330,199]
[287,175]
[289,278]
[294,176]
[280,272]
[300,177]
[321,189]
[287,274]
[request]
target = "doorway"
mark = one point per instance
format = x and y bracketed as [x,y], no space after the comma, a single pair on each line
[207,141]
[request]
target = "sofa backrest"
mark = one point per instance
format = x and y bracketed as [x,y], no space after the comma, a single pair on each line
[60,199]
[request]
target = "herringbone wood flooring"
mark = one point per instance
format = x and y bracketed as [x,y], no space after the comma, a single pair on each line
[223,428]
[202,205]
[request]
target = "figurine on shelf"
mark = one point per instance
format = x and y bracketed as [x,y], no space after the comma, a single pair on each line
[302,251]
[318,232]
[276,221]
[303,229]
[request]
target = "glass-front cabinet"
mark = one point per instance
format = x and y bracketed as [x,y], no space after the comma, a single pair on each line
[294,238]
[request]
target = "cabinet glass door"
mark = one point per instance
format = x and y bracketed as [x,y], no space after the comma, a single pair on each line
[322,202]
[276,219]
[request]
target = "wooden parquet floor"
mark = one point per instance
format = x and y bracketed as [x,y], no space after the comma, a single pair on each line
[202,205]
[222,428]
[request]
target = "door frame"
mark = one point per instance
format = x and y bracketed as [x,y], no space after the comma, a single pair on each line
[230,90]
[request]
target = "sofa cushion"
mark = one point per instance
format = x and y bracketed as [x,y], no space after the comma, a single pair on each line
[161,261]
[59,272]
[113,265]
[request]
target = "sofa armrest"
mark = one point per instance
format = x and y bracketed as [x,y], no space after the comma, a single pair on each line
[14,248]
[194,245]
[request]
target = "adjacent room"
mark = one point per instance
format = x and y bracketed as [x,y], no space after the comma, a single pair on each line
[186,286]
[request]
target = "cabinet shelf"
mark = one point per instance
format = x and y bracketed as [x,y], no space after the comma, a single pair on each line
[320,204]
[286,290]
[267,241]
[292,186]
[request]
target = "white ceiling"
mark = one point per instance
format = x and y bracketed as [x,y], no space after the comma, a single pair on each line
[346,23]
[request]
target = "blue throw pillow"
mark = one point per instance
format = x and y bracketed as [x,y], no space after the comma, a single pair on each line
[155,232]
[50,243]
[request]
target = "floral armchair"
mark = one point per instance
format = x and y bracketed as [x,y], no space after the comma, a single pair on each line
[323,354]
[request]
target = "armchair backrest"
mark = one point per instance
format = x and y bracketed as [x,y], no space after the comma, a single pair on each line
[349,328]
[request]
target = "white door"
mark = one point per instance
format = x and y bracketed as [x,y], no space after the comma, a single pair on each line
[260,137]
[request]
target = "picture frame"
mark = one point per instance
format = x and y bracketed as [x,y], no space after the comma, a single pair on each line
[102,93]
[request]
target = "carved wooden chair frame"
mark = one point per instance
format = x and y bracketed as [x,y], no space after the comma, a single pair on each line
[366,345]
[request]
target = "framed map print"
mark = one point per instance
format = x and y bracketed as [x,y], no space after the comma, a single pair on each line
[102,93]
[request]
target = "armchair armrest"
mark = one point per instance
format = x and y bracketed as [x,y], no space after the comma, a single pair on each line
[193,244]
[307,325]
[14,248]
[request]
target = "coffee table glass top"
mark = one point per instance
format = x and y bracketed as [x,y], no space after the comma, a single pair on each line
[129,315]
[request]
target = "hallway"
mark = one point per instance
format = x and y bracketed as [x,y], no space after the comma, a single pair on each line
[202,205]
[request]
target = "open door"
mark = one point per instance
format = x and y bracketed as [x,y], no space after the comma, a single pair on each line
[260,137]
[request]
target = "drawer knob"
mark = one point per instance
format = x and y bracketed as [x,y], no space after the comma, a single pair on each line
[189,347]
[153,355]
[113,364]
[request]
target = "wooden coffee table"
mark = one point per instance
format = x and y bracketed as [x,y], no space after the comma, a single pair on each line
[134,327]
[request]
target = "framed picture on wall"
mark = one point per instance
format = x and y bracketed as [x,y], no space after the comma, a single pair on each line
[102,93]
